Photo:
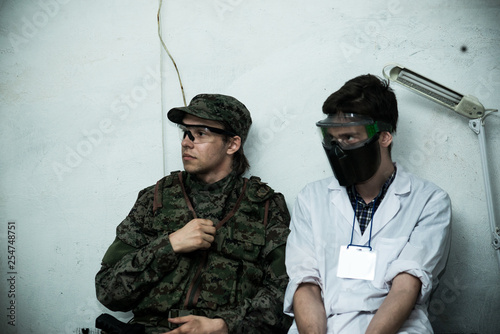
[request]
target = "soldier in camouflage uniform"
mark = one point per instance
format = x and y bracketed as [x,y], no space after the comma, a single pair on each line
[203,249]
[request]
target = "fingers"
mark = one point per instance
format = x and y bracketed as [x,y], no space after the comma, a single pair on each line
[206,225]
[196,234]
[181,320]
[205,229]
[206,222]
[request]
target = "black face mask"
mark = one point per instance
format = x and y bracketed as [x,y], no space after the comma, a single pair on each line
[352,166]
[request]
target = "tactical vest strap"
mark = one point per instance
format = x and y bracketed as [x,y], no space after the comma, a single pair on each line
[191,302]
[186,198]
[266,212]
[158,198]
[158,193]
[236,206]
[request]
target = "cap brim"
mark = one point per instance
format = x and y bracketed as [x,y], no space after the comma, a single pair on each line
[176,115]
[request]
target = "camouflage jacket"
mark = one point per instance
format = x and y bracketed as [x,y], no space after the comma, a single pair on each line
[241,278]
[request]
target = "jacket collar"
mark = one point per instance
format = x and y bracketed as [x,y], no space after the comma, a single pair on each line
[401,186]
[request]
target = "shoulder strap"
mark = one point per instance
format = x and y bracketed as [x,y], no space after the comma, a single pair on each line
[236,206]
[186,198]
[266,212]
[158,192]
[191,208]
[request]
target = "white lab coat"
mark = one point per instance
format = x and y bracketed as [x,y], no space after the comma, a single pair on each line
[410,233]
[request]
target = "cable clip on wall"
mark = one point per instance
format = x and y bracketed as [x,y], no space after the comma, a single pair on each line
[465,105]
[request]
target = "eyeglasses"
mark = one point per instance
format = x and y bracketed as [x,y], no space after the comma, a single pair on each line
[201,133]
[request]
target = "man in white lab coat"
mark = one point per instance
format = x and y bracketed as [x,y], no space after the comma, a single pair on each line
[366,246]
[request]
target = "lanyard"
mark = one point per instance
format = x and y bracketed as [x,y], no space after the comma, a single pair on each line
[371,223]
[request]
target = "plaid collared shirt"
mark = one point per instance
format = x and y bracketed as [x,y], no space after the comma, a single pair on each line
[364,211]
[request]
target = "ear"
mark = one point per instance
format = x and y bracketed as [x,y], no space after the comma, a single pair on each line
[385,139]
[234,145]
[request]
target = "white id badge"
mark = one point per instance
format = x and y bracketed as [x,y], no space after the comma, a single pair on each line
[357,262]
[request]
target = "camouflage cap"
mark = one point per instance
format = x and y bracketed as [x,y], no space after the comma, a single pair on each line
[217,107]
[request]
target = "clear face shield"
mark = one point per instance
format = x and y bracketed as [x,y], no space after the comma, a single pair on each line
[351,145]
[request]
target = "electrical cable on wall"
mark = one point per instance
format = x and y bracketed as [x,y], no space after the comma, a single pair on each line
[166,50]
[178,76]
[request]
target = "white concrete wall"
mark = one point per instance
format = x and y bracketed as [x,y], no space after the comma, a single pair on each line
[80,125]
[82,109]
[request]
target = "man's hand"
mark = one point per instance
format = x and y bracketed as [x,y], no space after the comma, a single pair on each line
[199,325]
[197,234]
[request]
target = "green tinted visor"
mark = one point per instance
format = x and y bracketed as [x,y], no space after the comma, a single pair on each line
[351,120]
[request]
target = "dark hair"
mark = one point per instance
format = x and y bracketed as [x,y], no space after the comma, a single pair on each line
[365,95]
[240,161]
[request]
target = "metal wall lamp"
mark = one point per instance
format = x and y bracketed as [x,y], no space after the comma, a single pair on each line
[465,105]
